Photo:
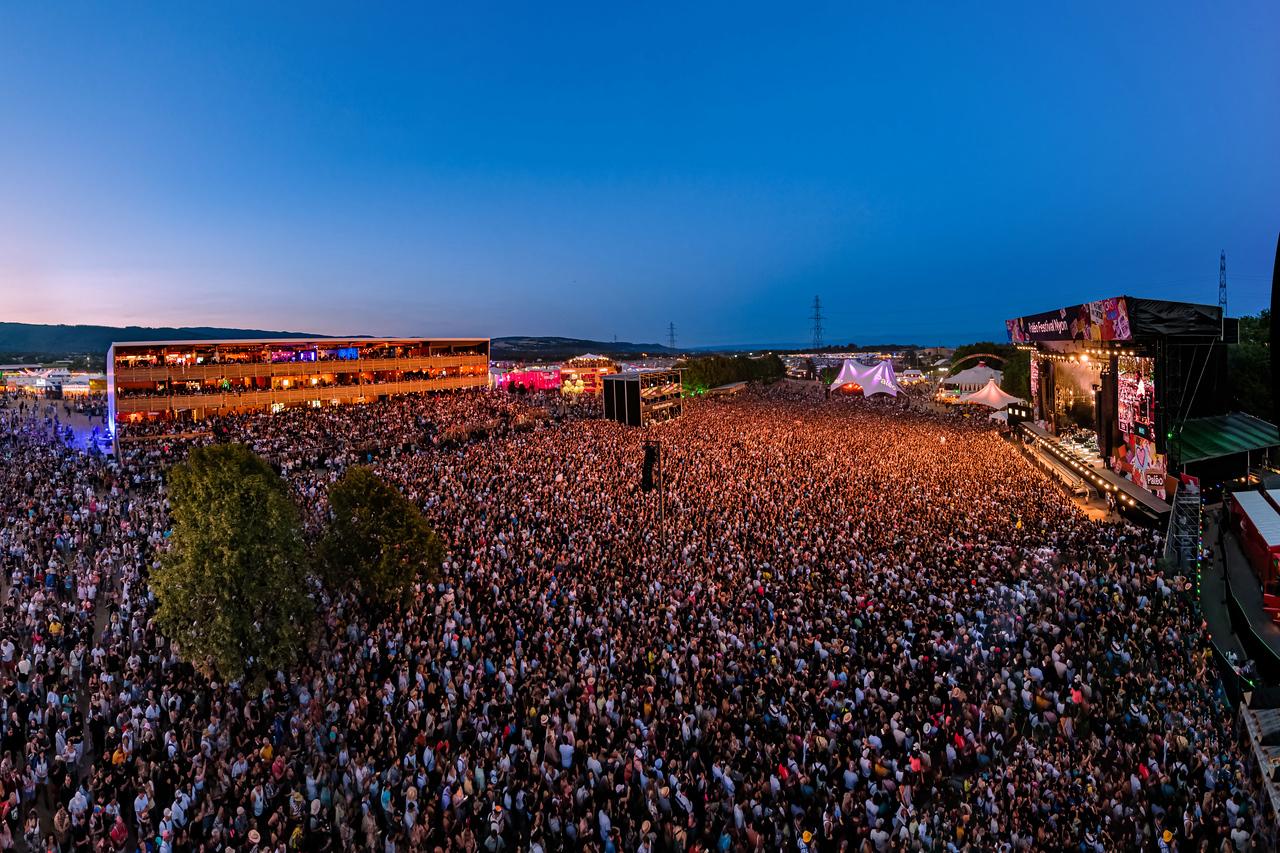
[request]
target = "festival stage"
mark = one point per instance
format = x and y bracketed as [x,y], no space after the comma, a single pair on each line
[1132,500]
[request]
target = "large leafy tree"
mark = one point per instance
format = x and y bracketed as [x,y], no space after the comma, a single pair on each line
[377,538]
[1017,374]
[231,590]
[1249,366]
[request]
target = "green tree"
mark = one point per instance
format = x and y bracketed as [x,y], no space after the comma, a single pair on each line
[1249,366]
[1256,328]
[231,590]
[1017,374]
[961,352]
[710,371]
[377,538]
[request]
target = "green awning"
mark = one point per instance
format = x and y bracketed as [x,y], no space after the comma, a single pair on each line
[1222,435]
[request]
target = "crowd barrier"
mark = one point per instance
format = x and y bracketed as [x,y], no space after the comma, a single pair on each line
[1233,683]
[1264,657]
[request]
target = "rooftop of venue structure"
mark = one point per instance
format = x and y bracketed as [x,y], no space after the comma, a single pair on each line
[1118,318]
[352,339]
[647,371]
[1222,435]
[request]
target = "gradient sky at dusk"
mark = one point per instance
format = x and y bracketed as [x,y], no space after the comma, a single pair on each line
[599,169]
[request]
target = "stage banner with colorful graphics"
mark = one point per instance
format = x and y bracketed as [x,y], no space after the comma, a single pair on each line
[1138,461]
[1103,320]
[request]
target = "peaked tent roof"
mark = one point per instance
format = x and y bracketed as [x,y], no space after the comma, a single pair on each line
[873,379]
[974,377]
[883,381]
[989,395]
[851,373]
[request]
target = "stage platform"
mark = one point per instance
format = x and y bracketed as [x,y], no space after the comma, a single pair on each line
[1132,500]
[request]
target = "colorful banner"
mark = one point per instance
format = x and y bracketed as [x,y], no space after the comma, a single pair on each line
[1103,320]
[1036,403]
[1137,460]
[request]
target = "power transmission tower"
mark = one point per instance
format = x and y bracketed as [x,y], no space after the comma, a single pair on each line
[817,323]
[1222,282]
[671,335]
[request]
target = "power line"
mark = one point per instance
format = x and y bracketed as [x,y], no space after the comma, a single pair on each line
[817,323]
[671,335]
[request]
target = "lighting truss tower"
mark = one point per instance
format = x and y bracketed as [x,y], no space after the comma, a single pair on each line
[671,335]
[817,323]
[1222,282]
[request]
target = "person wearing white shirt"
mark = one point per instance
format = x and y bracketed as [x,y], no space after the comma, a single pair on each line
[1240,836]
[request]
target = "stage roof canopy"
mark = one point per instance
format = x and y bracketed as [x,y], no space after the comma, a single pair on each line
[1119,318]
[1222,435]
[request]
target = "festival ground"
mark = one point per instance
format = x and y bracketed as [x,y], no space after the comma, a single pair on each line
[869,623]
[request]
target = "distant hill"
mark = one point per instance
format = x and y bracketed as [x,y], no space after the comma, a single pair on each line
[38,339]
[552,348]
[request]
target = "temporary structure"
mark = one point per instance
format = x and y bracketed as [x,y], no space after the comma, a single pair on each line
[989,395]
[851,373]
[973,378]
[872,379]
[885,380]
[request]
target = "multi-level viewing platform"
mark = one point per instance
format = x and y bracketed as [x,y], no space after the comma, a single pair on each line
[192,379]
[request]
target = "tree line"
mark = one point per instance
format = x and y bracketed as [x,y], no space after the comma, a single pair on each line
[711,371]
[1249,367]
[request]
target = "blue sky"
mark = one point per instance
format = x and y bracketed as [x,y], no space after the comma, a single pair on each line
[600,169]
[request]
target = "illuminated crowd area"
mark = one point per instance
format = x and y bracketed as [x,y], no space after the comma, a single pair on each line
[854,624]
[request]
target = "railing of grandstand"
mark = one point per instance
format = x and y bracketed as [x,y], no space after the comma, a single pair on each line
[233,370]
[250,399]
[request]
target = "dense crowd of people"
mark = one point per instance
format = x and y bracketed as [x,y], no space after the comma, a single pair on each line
[852,626]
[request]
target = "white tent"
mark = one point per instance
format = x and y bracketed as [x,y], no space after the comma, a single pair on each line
[973,378]
[1002,416]
[851,373]
[885,380]
[990,395]
[872,379]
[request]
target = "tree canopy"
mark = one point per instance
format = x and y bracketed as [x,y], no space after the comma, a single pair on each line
[1249,366]
[231,590]
[377,538]
[710,371]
